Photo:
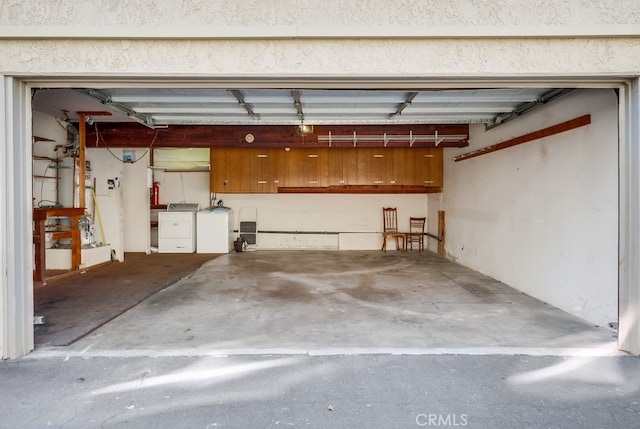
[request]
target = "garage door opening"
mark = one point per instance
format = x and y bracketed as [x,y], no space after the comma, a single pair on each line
[496,206]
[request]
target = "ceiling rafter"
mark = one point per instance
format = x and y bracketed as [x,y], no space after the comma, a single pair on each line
[248,107]
[296,94]
[404,105]
[146,120]
[527,107]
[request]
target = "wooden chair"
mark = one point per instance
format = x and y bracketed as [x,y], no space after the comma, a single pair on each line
[416,232]
[390,224]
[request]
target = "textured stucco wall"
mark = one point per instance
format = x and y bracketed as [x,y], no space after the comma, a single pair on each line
[300,38]
[304,58]
[410,13]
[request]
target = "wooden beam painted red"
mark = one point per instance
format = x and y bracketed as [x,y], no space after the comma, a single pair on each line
[134,135]
[545,132]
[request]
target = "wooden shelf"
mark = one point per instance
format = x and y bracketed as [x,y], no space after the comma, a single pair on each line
[45,158]
[46,177]
[58,235]
[360,189]
[42,139]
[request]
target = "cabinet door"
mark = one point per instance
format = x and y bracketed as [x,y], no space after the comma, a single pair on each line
[350,173]
[428,167]
[303,168]
[288,168]
[262,163]
[218,173]
[312,167]
[335,173]
[242,170]
[374,166]
[403,166]
[382,167]
[238,174]
[280,178]
[363,169]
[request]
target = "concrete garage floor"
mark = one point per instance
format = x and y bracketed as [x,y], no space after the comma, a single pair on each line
[330,302]
[329,340]
[76,305]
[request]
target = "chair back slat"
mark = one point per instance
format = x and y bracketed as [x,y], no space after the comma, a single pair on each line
[390,216]
[416,224]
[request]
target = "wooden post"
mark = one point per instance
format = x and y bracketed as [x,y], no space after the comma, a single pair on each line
[82,159]
[39,242]
[76,243]
[441,232]
[82,152]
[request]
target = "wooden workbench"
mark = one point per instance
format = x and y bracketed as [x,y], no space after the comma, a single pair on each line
[40,235]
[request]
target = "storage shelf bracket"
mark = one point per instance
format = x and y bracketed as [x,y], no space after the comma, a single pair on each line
[436,140]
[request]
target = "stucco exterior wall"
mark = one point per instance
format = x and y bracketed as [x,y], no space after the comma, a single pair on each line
[409,59]
[361,14]
[291,38]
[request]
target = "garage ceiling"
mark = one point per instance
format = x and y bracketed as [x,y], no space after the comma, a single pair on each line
[159,107]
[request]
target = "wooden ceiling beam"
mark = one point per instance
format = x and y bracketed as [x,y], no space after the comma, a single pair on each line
[129,135]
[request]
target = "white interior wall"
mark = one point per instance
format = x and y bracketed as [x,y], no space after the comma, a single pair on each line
[352,221]
[135,194]
[110,202]
[543,216]
[45,190]
[435,203]
[183,187]
[340,221]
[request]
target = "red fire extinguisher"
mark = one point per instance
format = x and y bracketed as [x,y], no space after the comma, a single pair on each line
[155,194]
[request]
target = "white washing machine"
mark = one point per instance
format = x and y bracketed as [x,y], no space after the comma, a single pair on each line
[177,228]
[215,230]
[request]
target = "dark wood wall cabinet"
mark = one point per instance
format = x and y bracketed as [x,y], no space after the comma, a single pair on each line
[326,170]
